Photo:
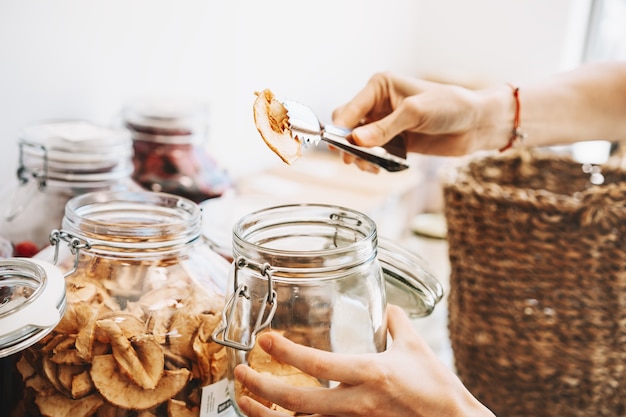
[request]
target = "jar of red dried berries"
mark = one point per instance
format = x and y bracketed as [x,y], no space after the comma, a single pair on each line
[144,294]
[57,161]
[169,136]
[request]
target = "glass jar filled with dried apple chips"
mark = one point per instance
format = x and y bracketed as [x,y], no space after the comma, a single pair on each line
[59,160]
[170,136]
[144,294]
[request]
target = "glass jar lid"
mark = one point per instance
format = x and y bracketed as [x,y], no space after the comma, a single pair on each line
[75,151]
[167,119]
[32,302]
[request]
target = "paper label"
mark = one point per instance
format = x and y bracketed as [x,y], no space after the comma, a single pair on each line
[216,401]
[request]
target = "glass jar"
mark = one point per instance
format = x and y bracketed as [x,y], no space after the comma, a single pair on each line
[32,302]
[315,273]
[169,136]
[144,294]
[57,161]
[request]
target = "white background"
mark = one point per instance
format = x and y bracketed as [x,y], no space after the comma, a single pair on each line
[84,59]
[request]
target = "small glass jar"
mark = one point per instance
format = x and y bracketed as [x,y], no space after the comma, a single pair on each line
[144,294]
[315,273]
[32,302]
[169,135]
[57,161]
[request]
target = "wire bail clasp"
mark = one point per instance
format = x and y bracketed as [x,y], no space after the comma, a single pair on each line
[220,335]
[75,244]
[27,189]
[23,171]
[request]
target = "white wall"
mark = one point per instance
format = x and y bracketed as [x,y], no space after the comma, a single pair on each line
[84,59]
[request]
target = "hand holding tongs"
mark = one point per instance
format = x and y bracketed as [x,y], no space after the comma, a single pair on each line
[306,126]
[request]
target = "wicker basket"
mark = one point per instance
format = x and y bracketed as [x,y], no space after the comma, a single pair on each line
[537,302]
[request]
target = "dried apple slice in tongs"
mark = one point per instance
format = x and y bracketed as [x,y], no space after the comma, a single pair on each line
[286,126]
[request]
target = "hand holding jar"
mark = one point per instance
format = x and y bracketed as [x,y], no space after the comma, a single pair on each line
[406,379]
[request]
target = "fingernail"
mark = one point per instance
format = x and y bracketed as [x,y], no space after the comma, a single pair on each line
[265,342]
[239,371]
[243,404]
[362,134]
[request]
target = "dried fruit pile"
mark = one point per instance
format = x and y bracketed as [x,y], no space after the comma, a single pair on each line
[135,345]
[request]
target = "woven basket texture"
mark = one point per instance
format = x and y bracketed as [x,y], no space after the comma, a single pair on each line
[537,301]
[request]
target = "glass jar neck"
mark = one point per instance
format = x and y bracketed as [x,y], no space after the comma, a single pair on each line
[134,221]
[74,152]
[306,240]
[167,120]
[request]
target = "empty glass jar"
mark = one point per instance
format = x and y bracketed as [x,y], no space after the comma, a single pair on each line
[59,160]
[316,274]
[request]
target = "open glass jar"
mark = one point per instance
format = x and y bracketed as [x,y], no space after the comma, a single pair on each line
[32,302]
[144,295]
[315,273]
[59,160]
[169,136]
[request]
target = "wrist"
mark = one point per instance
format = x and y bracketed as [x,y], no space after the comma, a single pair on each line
[496,121]
[469,406]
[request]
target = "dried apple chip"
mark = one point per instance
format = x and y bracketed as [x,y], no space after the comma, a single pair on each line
[177,408]
[140,357]
[272,122]
[264,363]
[58,405]
[65,375]
[81,385]
[119,390]
[182,330]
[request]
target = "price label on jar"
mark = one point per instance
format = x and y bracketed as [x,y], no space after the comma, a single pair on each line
[216,402]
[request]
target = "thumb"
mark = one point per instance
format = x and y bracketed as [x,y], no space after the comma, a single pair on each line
[379,132]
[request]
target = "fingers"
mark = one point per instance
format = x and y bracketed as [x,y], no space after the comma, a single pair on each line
[318,363]
[299,399]
[377,133]
[402,331]
[360,163]
[352,114]
[398,322]
[252,408]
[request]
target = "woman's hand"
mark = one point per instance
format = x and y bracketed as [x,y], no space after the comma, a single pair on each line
[405,380]
[436,119]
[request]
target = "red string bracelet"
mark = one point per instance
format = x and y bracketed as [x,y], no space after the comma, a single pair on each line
[517,135]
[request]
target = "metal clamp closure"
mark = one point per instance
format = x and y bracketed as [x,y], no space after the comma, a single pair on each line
[22,171]
[220,335]
[342,218]
[75,244]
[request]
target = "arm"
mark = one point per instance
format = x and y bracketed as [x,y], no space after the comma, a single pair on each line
[405,380]
[584,104]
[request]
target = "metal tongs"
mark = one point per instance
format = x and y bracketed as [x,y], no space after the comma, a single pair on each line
[310,131]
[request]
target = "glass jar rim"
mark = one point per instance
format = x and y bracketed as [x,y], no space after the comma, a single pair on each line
[252,233]
[26,319]
[167,114]
[132,220]
[74,151]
